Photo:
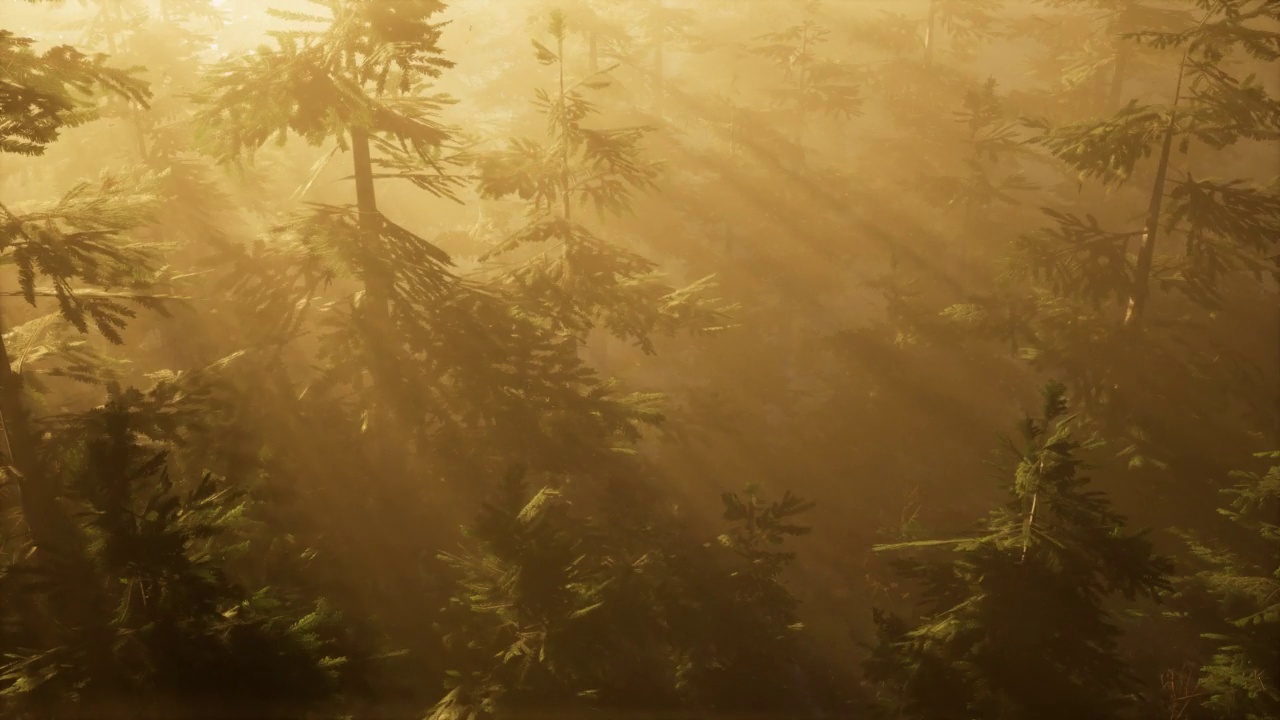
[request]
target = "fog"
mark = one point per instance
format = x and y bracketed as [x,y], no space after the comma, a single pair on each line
[640,358]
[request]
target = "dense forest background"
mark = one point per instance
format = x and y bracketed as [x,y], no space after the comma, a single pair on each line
[462,359]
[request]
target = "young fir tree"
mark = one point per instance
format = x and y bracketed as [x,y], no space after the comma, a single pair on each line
[811,83]
[156,624]
[588,613]
[76,251]
[461,364]
[1152,256]
[956,26]
[1235,602]
[123,610]
[1014,622]
[1209,105]
[195,215]
[581,280]
[462,378]
[358,81]
[1087,58]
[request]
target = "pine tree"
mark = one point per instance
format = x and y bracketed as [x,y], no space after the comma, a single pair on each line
[43,93]
[78,245]
[1091,58]
[581,604]
[1199,259]
[358,82]
[582,279]
[155,625]
[1208,106]
[1233,601]
[455,360]
[811,83]
[1014,623]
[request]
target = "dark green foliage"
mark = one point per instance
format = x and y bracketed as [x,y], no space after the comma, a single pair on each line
[358,71]
[567,610]
[482,373]
[1234,600]
[1169,247]
[42,93]
[151,622]
[349,358]
[1013,622]
[82,240]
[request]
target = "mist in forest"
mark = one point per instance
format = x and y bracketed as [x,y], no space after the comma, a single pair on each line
[668,359]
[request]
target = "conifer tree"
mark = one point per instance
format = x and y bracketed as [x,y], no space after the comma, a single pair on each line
[1082,287]
[79,245]
[1235,602]
[585,604]
[1014,622]
[581,279]
[1208,105]
[455,360]
[962,20]
[811,83]
[1089,56]
[358,81]
[156,625]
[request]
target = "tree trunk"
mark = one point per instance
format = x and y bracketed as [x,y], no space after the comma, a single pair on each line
[594,44]
[929,33]
[659,89]
[378,283]
[1276,437]
[566,204]
[51,529]
[1121,68]
[1146,251]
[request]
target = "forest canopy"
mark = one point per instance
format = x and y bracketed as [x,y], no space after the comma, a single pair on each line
[502,359]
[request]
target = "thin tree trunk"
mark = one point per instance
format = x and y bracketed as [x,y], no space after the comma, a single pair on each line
[1276,438]
[1030,524]
[802,82]
[929,33]
[1118,73]
[139,135]
[594,43]
[1146,251]
[659,88]
[566,204]
[581,345]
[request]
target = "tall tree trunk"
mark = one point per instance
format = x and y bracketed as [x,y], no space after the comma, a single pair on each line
[565,180]
[1118,73]
[1120,23]
[659,81]
[802,84]
[377,288]
[378,283]
[930,33]
[594,43]
[1146,251]
[1276,436]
